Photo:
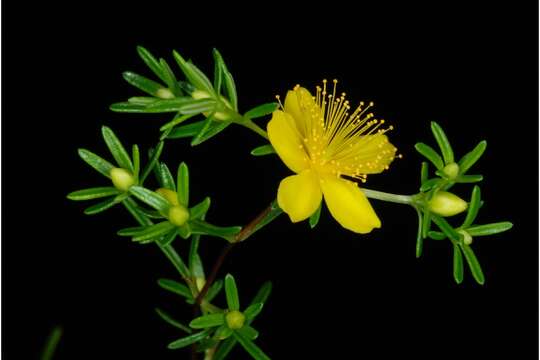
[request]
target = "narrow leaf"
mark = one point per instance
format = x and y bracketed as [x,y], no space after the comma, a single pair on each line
[128,107]
[458,265]
[140,82]
[419,237]
[230,86]
[52,343]
[231,292]
[193,74]
[154,231]
[424,172]
[154,158]
[136,156]
[263,150]
[178,119]
[171,105]
[489,229]
[204,228]
[175,287]
[249,332]
[314,218]
[168,238]
[472,157]
[199,210]
[207,321]
[263,294]
[176,260]
[117,149]
[102,206]
[426,224]
[465,179]
[474,265]
[446,228]
[253,310]
[474,206]
[250,347]
[151,198]
[169,320]
[99,164]
[430,154]
[186,130]
[183,184]
[170,79]
[210,131]
[131,231]
[261,110]
[180,343]
[430,184]
[166,179]
[214,290]
[436,235]
[93,193]
[218,71]
[151,62]
[444,144]
[134,210]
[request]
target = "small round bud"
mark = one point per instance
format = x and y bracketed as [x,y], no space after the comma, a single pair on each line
[164,93]
[235,319]
[446,204]
[199,281]
[467,238]
[451,170]
[178,215]
[122,179]
[170,195]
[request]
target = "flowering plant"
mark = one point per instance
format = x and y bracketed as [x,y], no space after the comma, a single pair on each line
[329,145]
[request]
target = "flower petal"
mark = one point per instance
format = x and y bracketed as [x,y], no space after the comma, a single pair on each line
[287,142]
[297,102]
[348,205]
[300,195]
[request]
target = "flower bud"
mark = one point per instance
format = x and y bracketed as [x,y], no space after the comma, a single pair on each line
[170,195]
[235,319]
[164,93]
[451,170]
[178,215]
[446,204]
[122,179]
[199,94]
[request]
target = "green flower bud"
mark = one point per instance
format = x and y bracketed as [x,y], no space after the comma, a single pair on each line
[235,319]
[467,238]
[178,215]
[164,93]
[451,170]
[171,196]
[122,179]
[446,204]
[199,94]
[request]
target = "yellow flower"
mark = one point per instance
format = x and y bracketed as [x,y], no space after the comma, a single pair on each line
[321,140]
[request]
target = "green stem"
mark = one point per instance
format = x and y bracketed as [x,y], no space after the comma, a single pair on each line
[383,196]
[252,126]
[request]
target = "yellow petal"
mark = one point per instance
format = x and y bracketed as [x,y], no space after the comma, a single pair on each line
[297,102]
[287,142]
[300,195]
[348,205]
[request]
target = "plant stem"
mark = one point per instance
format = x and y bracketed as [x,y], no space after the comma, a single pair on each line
[252,126]
[383,196]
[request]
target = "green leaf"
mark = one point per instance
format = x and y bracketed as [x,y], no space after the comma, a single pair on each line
[230,86]
[444,144]
[204,228]
[212,129]
[314,218]
[261,110]
[93,193]
[102,206]
[474,206]
[178,119]
[128,107]
[99,164]
[253,310]
[436,235]
[169,320]
[140,82]
[117,150]
[151,198]
[214,290]
[183,184]
[142,100]
[154,231]
[170,79]
[218,71]
[186,130]
[249,332]
[426,224]
[184,105]
[419,237]
[176,260]
[199,210]
[166,179]
[130,231]
[135,154]
[180,343]
[250,347]
[489,229]
[430,184]
[167,239]
[194,75]
[263,150]
[223,332]
[175,287]
[154,158]
[446,228]
[231,292]
[424,172]
[185,231]
[472,157]
[474,265]
[134,210]
[199,106]
[469,178]
[52,343]
[207,321]
[151,62]
[430,154]
[263,294]
[458,265]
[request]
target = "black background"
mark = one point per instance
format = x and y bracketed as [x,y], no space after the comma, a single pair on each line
[471,68]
